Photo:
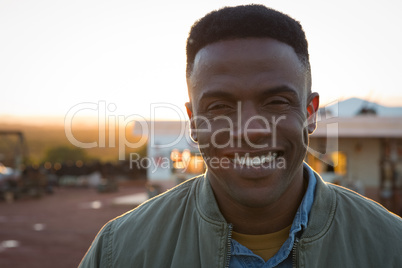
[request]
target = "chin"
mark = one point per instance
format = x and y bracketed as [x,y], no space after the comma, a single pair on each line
[257,197]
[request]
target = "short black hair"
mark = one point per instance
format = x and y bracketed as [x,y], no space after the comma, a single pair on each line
[246,21]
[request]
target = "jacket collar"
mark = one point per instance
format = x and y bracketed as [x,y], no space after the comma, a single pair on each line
[322,212]
[206,202]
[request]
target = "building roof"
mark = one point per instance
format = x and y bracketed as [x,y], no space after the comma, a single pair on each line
[166,134]
[365,126]
[169,128]
[355,106]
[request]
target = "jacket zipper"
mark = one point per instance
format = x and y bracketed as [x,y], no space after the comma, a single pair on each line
[228,253]
[294,252]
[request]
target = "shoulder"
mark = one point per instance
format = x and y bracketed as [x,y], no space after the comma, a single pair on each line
[358,231]
[164,205]
[354,205]
[151,227]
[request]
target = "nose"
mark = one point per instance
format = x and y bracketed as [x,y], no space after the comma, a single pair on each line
[251,127]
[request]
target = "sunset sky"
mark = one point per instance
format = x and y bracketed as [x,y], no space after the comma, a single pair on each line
[78,56]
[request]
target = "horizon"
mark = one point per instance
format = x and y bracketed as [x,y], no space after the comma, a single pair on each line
[88,121]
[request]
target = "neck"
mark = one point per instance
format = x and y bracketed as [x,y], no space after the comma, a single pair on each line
[266,219]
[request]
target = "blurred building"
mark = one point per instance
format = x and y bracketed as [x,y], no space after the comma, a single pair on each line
[172,157]
[358,144]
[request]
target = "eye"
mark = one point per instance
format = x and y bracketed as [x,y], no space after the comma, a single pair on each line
[276,101]
[219,106]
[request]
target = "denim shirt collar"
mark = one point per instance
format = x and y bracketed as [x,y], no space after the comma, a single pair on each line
[299,223]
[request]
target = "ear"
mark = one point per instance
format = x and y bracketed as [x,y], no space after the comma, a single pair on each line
[193,131]
[313,102]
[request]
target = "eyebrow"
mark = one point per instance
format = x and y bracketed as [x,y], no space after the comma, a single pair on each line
[267,92]
[217,94]
[279,90]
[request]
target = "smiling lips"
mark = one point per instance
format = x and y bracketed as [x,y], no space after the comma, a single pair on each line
[254,161]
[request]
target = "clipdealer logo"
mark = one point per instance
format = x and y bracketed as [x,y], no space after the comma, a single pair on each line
[109,122]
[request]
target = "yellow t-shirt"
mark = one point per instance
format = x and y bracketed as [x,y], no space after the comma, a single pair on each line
[266,245]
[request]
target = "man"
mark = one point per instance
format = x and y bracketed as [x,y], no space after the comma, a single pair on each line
[258,205]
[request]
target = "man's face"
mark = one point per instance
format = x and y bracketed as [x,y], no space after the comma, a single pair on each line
[248,107]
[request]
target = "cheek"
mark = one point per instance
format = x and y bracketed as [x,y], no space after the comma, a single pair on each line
[203,131]
[216,133]
[292,129]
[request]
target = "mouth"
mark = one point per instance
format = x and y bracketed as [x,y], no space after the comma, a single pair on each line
[256,160]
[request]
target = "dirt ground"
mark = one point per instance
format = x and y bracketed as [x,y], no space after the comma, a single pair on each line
[56,230]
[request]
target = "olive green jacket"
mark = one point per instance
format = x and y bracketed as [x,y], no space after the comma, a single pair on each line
[184,228]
